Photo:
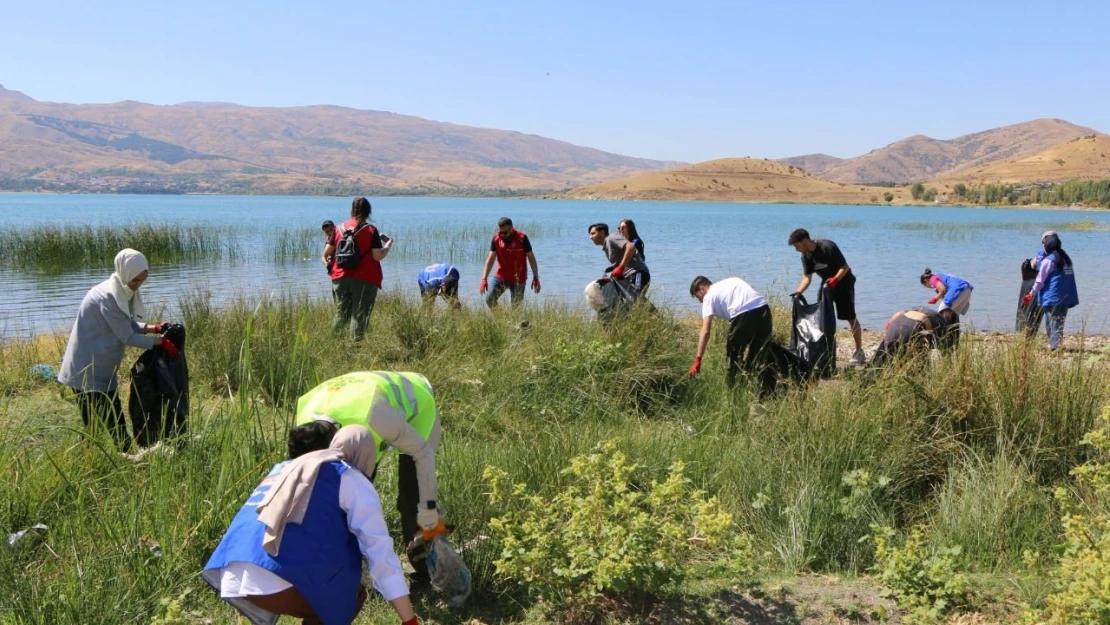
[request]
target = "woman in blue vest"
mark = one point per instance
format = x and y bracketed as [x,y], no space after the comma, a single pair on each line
[295,548]
[952,292]
[1055,289]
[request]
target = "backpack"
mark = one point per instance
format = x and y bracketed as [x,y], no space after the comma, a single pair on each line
[347,254]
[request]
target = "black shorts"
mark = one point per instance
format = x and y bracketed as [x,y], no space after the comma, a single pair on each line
[844,297]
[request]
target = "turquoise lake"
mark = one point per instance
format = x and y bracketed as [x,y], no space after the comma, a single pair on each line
[887,248]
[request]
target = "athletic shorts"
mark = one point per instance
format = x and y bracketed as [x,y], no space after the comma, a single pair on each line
[844,297]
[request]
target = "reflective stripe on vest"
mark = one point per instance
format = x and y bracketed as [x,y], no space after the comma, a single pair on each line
[347,400]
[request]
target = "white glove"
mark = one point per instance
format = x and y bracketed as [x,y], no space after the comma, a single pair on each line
[427,518]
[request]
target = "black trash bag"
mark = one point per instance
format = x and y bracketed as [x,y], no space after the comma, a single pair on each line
[1028,317]
[787,363]
[813,333]
[159,402]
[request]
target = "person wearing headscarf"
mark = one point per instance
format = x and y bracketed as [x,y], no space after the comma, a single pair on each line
[111,318]
[1055,289]
[910,331]
[295,548]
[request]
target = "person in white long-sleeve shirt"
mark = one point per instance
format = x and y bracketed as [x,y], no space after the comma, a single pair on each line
[296,545]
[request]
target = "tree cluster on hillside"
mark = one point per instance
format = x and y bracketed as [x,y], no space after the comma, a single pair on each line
[1070,193]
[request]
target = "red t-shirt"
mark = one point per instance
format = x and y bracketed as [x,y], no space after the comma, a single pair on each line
[512,257]
[368,270]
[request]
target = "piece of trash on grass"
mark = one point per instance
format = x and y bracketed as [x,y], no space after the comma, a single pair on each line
[34,533]
[44,372]
[152,546]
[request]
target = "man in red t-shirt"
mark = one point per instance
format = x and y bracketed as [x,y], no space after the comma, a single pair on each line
[511,248]
[356,288]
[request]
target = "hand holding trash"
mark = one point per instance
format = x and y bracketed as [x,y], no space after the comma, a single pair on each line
[1028,299]
[617,272]
[832,282]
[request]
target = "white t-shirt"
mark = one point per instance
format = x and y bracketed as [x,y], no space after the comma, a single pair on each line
[730,297]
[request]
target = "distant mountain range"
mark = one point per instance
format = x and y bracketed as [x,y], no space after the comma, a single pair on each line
[921,158]
[219,147]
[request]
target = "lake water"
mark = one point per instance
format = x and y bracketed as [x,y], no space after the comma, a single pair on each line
[887,248]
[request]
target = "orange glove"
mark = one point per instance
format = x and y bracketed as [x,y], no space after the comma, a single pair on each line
[430,534]
[696,367]
[171,349]
[933,300]
[1028,299]
[618,272]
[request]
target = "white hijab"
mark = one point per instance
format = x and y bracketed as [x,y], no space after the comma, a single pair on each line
[129,264]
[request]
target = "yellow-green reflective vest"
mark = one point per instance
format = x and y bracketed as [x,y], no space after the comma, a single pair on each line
[347,400]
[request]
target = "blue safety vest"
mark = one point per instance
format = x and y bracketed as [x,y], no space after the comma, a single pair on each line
[1059,287]
[319,557]
[432,276]
[953,287]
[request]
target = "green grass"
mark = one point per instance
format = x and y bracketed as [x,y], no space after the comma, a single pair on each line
[296,244]
[967,445]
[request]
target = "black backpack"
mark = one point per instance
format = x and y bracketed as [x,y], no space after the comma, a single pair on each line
[347,254]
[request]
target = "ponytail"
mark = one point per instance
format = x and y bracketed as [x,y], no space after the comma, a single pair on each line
[925,277]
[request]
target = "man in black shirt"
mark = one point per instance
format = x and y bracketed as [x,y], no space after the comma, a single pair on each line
[824,258]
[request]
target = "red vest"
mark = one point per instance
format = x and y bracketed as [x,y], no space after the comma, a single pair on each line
[368,270]
[512,262]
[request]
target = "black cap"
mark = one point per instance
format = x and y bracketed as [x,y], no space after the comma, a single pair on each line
[327,222]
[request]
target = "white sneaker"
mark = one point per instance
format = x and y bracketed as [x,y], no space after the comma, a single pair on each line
[858,357]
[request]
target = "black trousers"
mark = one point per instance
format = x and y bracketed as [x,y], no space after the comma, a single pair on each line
[748,346]
[103,410]
[408,497]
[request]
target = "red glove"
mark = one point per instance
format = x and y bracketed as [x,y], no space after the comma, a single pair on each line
[536,285]
[439,530]
[1028,299]
[483,286]
[832,282]
[696,367]
[171,349]
[933,300]
[411,621]
[618,272]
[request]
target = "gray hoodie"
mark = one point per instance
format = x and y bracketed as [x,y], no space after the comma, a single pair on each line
[96,343]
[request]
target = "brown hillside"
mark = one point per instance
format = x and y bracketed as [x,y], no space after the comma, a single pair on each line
[733,180]
[813,163]
[1085,158]
[923,158]
[281,147]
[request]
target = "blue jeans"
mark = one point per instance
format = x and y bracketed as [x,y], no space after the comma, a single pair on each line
[497,289]
[1054,317]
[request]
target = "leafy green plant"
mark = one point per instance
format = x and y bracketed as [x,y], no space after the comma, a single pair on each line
[1082,591]
[923,582]
[604,536]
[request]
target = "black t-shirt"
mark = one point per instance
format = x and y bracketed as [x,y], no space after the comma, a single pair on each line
[825,260]
[525,243]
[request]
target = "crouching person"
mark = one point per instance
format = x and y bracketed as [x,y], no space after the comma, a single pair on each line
[295,548]
[749,329]
[400,411]
[919,329]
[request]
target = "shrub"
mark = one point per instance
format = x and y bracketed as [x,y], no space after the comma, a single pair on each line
[888,197]
[922,581]
[604,536]
[1082,594]
[917,190]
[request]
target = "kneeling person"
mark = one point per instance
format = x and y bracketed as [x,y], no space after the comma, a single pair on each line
[400,411]
[749,330]
[439,279]
[296,546]
[919,328]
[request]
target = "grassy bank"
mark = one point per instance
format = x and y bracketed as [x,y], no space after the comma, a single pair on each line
[967,446]
[57,248]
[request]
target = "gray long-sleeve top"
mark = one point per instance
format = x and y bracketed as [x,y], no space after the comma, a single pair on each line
[96,343]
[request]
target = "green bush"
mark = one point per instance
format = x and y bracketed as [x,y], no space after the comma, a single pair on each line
[603,535]
[1082,577]
[923,582]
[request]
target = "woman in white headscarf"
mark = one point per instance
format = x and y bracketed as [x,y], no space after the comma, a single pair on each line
[111,317]
[296,546]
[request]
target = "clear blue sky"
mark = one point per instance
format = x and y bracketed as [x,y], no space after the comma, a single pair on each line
[671,80]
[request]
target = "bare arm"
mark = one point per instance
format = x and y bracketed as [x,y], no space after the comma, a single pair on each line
[629,252]
[804,284]
[531,262]
[703,338]
[941,290]
[383,251]
[489,265]
[843,272]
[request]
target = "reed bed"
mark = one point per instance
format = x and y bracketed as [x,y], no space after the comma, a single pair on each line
[58,248]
